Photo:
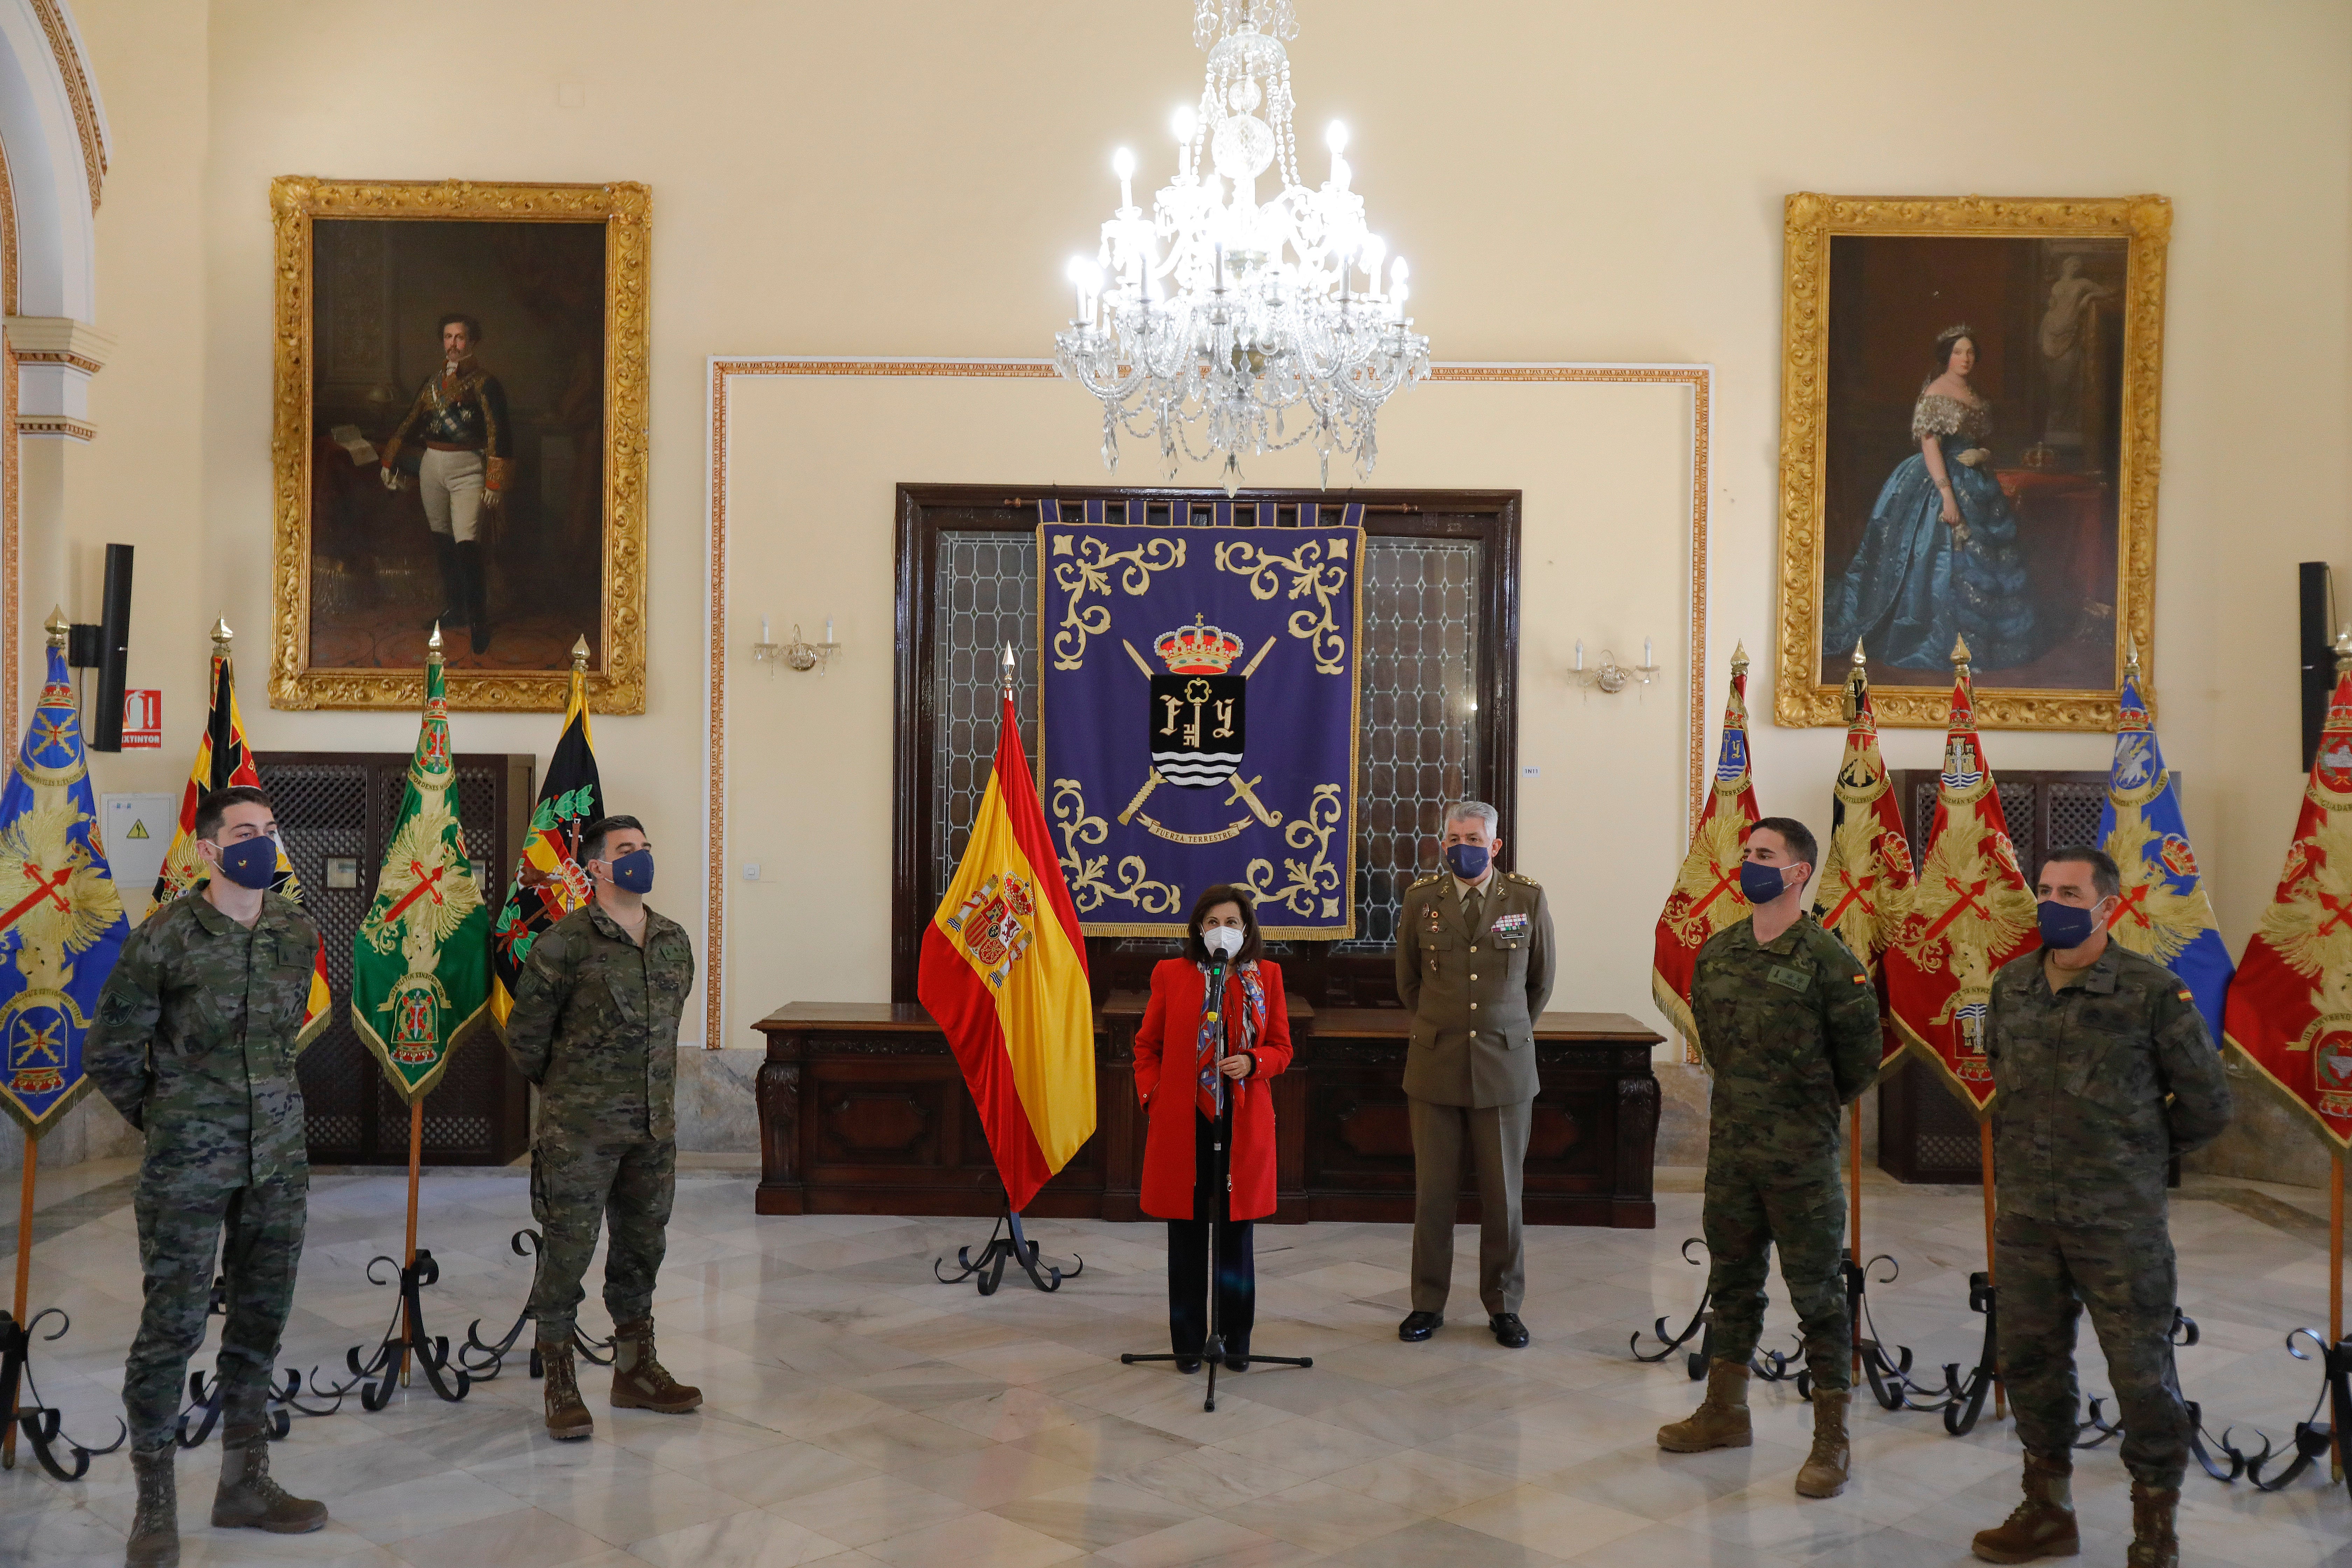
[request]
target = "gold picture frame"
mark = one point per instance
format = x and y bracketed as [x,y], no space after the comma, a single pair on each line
[2051,276]
[615,600]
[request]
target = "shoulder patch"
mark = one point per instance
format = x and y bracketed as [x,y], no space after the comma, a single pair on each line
[1524,881]
[2186,994]
[1861,978]
[1424,881]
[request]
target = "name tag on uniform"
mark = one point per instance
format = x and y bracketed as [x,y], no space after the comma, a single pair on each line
[1794,979]
[1510,925]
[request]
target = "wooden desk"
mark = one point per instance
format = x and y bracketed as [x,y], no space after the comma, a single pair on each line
[863,1110]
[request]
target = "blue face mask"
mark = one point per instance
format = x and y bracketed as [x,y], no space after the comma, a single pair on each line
[251,862]
[1761,884]
[1467,861]
[634,872]
[2064,925]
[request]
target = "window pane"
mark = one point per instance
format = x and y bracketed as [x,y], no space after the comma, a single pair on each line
[985,595]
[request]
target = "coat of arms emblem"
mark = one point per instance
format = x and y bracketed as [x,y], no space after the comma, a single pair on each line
[994,924]
[1197,708]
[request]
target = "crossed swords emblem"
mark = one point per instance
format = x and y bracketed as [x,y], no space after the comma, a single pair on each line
[1197,693]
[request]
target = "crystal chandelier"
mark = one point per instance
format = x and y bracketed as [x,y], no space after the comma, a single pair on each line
[1253,326]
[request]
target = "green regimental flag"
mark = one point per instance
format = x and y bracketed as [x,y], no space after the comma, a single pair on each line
[421,962]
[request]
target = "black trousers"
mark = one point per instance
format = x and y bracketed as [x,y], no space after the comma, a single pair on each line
[1188,1262]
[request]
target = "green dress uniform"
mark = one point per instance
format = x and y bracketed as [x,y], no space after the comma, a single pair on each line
[1474,967]
[195,1044]
[1789,1031]
[2097,1087]
[595,1026]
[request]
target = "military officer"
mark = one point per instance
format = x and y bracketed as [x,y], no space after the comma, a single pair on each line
[1788,1023]
[2102,1071]
[1474,967]
[459,416]
[594,1026]
[193,1042]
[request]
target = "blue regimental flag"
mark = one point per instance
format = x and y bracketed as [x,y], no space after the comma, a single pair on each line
[2165,912]
[61,923]
[1198,714]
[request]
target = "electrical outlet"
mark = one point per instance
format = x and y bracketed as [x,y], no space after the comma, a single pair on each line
[751,870]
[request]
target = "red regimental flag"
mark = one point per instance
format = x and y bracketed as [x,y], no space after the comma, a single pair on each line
[1003,972]
[1866,878]
[1970,912]
[1706,896]
[2290,1006]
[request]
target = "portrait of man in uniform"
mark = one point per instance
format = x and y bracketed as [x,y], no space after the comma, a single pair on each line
[460,442]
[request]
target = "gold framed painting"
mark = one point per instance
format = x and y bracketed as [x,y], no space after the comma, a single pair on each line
[459,440]
[1969,417]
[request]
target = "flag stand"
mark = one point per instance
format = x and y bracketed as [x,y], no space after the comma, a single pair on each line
[39,1423]
[1213,1350]
[2312,1437]
[1007,1243]
[483,1360]
[387,1367]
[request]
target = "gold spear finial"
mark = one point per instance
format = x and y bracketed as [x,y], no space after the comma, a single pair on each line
[58,627]
[2344,649]
[2131,660]
[222,635]
[1857,682]
[1960,655]
[579,654]
[1739,658]
[432,643]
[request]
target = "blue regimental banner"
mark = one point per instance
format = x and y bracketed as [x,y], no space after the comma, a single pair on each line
[1198,716]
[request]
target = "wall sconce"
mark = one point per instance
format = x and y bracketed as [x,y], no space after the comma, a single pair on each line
[799,653]
[1610,675]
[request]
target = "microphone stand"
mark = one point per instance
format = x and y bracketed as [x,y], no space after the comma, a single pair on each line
[1220,1203]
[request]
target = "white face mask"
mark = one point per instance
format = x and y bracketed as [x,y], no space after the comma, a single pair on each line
[1222,941]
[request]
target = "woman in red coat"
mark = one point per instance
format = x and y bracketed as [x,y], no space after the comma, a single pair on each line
[1184,1067]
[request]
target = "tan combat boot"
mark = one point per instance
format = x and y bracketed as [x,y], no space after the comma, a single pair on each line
[567,1418]
[2154,1512]
[2043,1524]
[247,1496]
[1825,1468]
[156,1529]
[640,1382]
[1721,1419]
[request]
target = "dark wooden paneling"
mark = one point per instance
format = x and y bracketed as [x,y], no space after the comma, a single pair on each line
[862,1109]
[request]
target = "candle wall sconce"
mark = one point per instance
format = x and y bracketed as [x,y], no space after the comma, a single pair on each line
[799,653]
[1612,677]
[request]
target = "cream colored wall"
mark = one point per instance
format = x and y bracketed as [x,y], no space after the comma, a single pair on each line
[1572,181]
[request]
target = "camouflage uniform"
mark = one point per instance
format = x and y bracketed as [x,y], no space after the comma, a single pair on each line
[594,1026]
[195,1044]
[1790,1029]
[2081,1134]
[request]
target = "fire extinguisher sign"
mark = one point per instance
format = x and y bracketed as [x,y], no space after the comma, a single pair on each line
[143,720]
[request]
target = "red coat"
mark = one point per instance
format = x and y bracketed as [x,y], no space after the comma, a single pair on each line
[1168,1088]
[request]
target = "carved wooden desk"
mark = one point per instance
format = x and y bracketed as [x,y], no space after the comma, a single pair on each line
[863,1110]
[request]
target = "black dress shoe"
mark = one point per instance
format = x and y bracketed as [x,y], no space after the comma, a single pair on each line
[1509,1332]
[1237,1359]
[1419,1326]
[1188,1364]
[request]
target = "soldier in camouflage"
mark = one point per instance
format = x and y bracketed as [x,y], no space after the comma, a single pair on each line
[194,1043]
[594,1026]
[1788,1022]
[2102,1071]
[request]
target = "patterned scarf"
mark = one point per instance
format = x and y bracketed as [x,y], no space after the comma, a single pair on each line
[1211,1096]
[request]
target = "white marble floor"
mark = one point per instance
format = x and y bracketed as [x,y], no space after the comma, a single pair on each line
[861,1415]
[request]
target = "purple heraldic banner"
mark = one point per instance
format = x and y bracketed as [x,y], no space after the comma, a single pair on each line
[1198,716]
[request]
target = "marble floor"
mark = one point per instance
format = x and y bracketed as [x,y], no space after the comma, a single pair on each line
[860,1415]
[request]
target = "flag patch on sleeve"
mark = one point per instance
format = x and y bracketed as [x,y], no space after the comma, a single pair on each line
[2186,996]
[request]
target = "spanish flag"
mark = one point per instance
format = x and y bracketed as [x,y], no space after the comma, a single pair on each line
[1004,973]
[224,758]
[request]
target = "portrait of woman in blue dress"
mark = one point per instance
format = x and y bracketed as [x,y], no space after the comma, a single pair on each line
[1939,559]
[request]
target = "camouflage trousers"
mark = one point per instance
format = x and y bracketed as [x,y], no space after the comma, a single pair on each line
[1749,1210]
[258,1233]
[577,1181]
[2047,1274]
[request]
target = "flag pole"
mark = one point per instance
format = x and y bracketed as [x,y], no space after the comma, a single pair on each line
[24,1265]
[1854,1210]
[2334,1295]
[1984,1144]
[408,1256]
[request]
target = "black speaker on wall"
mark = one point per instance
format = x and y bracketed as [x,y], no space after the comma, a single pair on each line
[114,652]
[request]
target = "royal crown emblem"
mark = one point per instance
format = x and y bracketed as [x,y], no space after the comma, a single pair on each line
[994,924]
[1198,649]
